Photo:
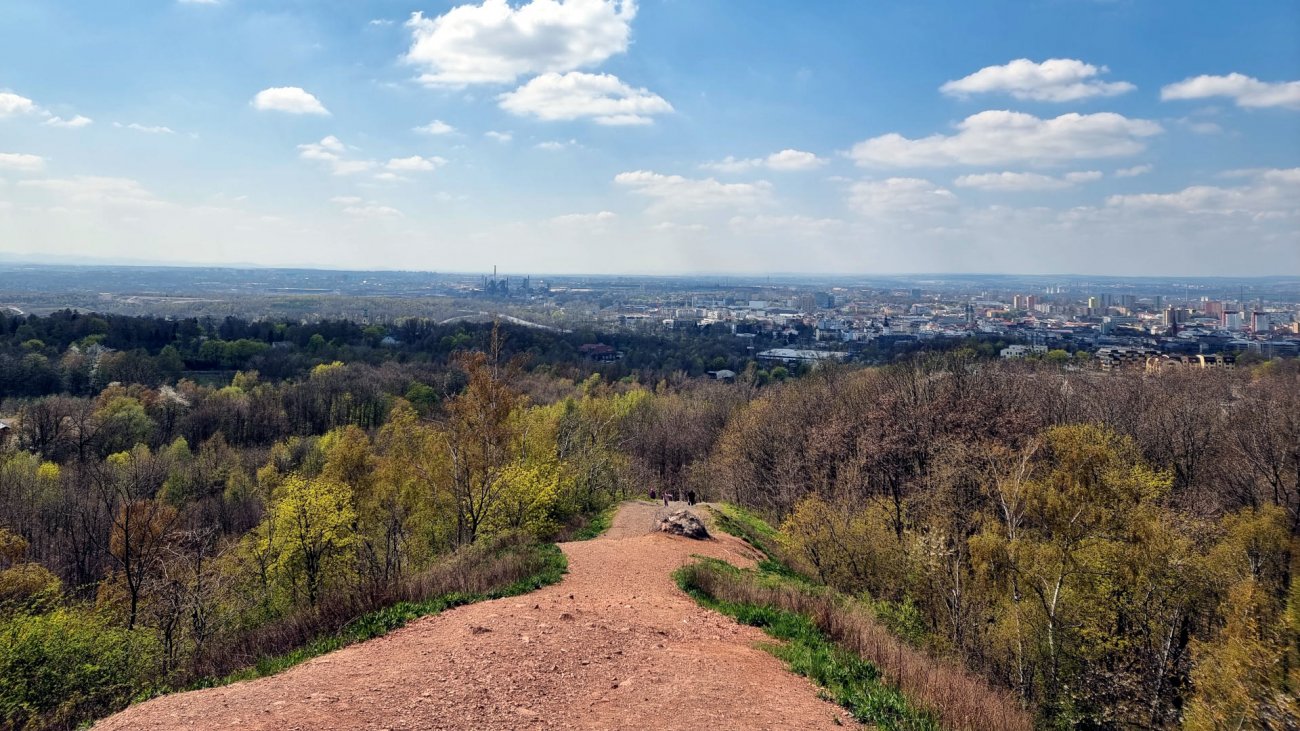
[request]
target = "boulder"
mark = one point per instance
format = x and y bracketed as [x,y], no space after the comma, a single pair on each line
[684,523]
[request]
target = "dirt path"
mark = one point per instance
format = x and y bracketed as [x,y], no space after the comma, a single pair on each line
[615,645]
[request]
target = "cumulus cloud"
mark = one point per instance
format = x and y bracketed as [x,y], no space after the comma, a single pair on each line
[785,160]
[899,197]
[436,127]
[1134,171]
[330,150]
[21,162]
[999,137]
[74,122]
[288,99]
[415,164]
[496,43]
[604,98]
[674,192]
[15,105]
[502,137]
[12,105]
[1016,182]
[346,200]
[1245,91]
[1269,194]
[1053,80]
[333,153]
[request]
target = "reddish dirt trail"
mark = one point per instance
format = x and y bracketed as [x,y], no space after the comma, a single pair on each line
[614,645]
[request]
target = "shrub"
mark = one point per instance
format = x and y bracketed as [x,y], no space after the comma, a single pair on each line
[59,668]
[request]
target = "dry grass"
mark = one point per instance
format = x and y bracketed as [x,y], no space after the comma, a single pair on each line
[961,700]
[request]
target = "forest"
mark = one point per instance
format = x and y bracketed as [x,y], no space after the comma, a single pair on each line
[1116,548]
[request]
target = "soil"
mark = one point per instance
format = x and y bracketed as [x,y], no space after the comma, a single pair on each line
[614,645]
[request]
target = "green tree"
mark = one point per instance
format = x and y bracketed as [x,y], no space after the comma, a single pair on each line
[312,534]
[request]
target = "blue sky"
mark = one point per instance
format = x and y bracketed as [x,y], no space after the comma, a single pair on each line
[1056,136]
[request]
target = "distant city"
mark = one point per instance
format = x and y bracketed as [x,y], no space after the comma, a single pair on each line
[1110,321]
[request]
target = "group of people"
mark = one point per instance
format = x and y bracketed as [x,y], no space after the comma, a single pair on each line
[671,497]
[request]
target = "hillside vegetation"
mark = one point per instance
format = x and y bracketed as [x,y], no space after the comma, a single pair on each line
[1114,549]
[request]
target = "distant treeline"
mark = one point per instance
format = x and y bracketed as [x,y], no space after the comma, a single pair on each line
[79,354]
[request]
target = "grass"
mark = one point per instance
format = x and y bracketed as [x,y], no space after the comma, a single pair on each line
[541,564]
[866,654]
[599,523]
[746,526]
[849,680]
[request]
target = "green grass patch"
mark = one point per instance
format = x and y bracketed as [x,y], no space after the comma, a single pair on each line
[382,621]
[599,523]
[748,527]
[760,534]
[849,680]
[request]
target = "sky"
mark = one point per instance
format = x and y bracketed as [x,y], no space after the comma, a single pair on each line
[1124,137]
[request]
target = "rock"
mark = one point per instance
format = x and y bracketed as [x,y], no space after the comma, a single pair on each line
[684,523]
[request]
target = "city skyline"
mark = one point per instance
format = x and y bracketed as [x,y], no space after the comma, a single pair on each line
[655,137]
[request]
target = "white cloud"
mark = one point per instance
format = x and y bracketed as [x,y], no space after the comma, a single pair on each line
[147,129]
[380,22]
[330,150]
[502,137]
[556,145]
[496,43]
[671,226]
[577,95]
[288,99]
[1271,194]
[436,127]
[21,162]
[785,160]
[1134,171]
[585,219]
[1053,80]
[1244,90]
[352,167]
[372,210]
[361,208]
[11,105]
[75,122]
[84,189]
[674,192]
[998,137]
[415,164]
[899,197]
[1015,182]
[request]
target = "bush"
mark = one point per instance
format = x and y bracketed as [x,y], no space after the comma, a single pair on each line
[59,668]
